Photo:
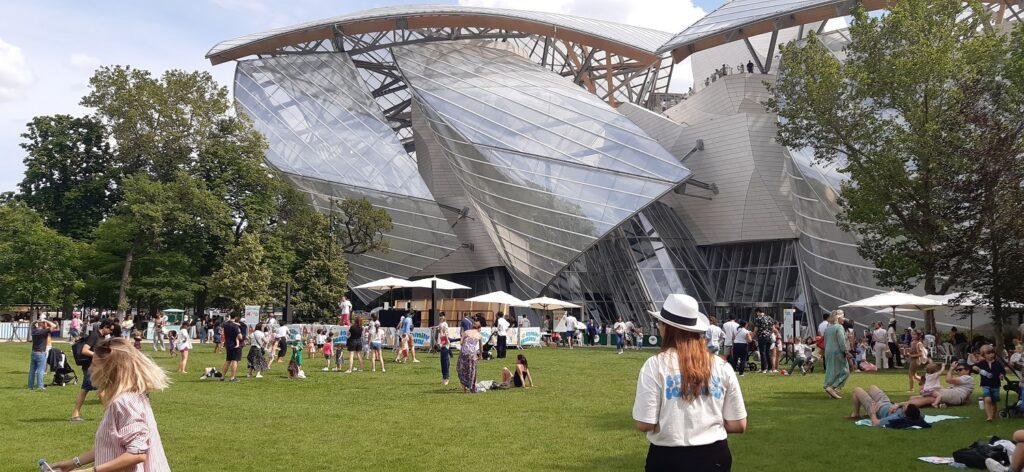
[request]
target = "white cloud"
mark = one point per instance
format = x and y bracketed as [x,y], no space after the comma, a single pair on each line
[84,62]
[14,72]
[671,16]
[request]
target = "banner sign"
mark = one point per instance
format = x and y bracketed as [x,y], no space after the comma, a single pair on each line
[252,315]
[512,337]
[421,337]
[529,336]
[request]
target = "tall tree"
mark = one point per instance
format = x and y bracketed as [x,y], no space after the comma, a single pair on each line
[994,181]
[37,265]
[889,116]
[359,227]
[244,278]
[70,173]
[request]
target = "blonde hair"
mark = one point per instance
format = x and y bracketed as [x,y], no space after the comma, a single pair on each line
[835,316]
[932,368]
[986,349]
[118,368]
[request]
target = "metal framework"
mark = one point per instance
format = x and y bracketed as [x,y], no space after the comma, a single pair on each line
[613,77]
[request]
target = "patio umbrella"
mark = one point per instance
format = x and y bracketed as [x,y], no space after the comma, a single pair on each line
[386,284]
[435,283]
[548,304]
[894,300]
[500,298]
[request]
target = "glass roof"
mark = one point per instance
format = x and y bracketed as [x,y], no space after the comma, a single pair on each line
[646,39]
[320,121]
[508,103]
[736,14]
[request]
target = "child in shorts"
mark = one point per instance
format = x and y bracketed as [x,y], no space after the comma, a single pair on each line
[328,350]
[339,351]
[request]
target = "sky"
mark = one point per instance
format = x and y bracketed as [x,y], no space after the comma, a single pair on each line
[49,49]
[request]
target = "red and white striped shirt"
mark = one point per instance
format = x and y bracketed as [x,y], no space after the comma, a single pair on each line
[128,425]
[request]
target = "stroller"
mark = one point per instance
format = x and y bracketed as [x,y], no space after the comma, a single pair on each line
[1016,410]
[63,373]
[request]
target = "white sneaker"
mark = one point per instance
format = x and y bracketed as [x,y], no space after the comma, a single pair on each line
[994,466]
[416,361]
[325,369]
[259,376]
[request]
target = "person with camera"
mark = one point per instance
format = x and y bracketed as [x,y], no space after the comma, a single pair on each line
[37,365]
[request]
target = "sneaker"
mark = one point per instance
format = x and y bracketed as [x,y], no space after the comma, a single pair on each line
[76,419]
[325,369]
[416,361]
[994,466]
[259,376]
[832,392]
[233,380]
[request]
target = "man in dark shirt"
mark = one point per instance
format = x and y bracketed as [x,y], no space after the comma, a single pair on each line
[233,346]
[103,329]
[37,368]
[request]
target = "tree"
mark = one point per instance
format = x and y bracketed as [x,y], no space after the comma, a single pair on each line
[359,227]
[994,182]
[890,117]
[69,173]
[37,265]
[244,278]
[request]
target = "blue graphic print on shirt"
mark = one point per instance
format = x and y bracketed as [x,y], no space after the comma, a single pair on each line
[673,385]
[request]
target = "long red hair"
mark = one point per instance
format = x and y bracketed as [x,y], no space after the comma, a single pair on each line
[694,360]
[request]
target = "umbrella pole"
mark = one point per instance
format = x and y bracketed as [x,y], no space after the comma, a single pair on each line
[433,299]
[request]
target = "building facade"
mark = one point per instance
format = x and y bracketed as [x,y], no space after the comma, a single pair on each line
[542,154]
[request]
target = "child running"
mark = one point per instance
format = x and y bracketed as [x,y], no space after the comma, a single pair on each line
[932,388]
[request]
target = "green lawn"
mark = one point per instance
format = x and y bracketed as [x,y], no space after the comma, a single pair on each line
[577,419]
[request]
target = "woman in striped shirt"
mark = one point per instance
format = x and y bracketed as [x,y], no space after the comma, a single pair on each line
[127,438]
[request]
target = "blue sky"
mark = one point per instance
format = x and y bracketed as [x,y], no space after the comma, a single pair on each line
[48,49]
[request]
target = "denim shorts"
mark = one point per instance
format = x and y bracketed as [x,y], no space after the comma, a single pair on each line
[87,381]
[991,392]
[375,346]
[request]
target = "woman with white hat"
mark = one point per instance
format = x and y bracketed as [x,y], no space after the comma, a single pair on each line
[837,369]
[687,399]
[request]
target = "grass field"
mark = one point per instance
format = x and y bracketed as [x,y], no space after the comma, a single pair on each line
[578,418]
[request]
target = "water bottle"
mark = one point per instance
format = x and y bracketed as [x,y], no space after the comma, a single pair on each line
[981,404]
[45,467]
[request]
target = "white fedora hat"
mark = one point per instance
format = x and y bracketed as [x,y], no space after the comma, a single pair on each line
[681,311]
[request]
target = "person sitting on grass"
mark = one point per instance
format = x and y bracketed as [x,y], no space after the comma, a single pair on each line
[800,353]
[883,412]
[957,392]
[521,375]
[1016,459]
[489,346]
[932,387]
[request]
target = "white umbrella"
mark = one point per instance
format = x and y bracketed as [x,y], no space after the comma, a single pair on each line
[386,284]
[886,311]
[548,303]
[894,300]
[500,298]
[435,283]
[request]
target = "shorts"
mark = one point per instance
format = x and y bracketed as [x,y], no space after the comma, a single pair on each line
[234,354]
[355,346]
[375,346]
[87,381]
[327,355]
[990,392]
[570,334]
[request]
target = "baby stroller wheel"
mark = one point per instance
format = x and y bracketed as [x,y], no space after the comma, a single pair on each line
[1004,414]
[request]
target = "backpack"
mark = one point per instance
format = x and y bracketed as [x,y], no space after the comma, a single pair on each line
[974,455]
[81,360]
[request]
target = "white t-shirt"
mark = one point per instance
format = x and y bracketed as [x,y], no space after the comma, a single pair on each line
[714,336]
[729,328]
[890,335]
[376,334]
[619,327]
[346,307]
[741,336]
[502,326]
[321,339]
[698,422]
[281,332]
[184,341]
[879,335]
[822,327]
[570,323]
[259,338]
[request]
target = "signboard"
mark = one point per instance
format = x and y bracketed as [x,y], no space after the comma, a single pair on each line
[529,336]
[341,337]
[252,315]
[421,337]
[788,324]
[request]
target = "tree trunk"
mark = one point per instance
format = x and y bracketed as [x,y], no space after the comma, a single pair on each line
[199,310]
[929,315]
[126,276]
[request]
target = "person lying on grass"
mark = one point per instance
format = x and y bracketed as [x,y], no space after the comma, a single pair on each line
[1016,460]
[883,412]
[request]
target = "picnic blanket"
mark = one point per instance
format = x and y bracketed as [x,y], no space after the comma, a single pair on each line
[930,419]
